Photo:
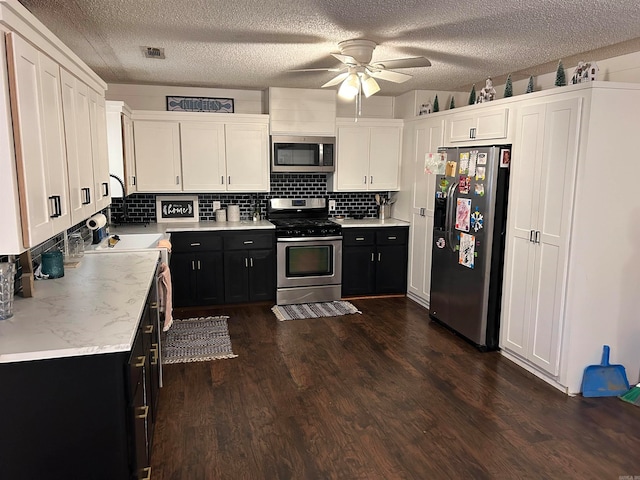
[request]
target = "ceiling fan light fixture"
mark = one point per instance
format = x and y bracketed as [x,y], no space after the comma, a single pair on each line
[350,87]
[369,86]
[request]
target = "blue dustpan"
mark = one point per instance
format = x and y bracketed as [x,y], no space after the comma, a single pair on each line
[604,380]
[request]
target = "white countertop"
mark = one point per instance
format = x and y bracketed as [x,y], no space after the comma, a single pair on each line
[172,227]
[94,308]
[371,222]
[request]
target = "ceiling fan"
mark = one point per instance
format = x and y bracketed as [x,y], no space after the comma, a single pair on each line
[359,72]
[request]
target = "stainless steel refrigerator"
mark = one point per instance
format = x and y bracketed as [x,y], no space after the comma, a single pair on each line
[468,242]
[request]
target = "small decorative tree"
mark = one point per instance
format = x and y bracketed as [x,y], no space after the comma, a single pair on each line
[452,105]
[530,85]
[508,87]
[472,95]
[436,106]
[561,79]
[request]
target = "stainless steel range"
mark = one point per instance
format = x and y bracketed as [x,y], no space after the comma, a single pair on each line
[309,251]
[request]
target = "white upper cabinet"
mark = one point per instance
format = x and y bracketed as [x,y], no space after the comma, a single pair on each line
[203,156]
[99,150]
[247,147]
[39,141]
[120,148]
[201,152]
[301,111]
[368,155]
[480,124]
[157,151]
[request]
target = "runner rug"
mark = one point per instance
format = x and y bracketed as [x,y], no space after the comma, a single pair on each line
[313,310]
[197,340]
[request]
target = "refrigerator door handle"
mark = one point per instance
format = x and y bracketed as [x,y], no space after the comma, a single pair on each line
[451,208]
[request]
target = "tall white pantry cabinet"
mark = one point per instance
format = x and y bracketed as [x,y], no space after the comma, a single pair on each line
[571,272]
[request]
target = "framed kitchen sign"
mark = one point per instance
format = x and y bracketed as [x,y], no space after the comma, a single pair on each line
[183,208]
[199,104]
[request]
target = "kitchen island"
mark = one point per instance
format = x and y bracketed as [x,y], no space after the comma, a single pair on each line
[80,371]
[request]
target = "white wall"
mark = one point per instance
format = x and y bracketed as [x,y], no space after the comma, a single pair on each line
[377,106]
[154,97]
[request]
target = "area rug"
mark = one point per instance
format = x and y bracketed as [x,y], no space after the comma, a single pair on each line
[313,310]
[197,340]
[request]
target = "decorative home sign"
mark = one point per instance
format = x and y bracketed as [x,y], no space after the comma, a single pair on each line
[183,208]
[199,104]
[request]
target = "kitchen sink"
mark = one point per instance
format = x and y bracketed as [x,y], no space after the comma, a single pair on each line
[132,242]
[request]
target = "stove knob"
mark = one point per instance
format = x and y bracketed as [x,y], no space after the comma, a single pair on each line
[324,231]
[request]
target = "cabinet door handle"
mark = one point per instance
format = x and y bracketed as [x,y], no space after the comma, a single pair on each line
[246,262]
[371,180]
[154,305]
[133,179]
[147,474]
[87,196]
[142,412]
[422,212]
[537,236]
[148,329]
[229,180]
[392,238]
[359,239]
[106,189]
[177,179]
[193,265]
[140,362]
[379,256]
[248,242]
[531,235]
[199,265]
[154,349]
[197,244]
[472,133]
[221,179]
[251,262]
[373,258]
[365,179]
[55,204]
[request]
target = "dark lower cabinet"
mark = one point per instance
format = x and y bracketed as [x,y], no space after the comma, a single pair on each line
[87,417]
[209,268]
[374,261]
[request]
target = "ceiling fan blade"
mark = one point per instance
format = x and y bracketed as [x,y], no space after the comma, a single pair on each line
[335,80]
[389,75]
[317,70]
[345,59]
[411,62]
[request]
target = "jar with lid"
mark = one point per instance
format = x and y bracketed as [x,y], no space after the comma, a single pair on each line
[76,245]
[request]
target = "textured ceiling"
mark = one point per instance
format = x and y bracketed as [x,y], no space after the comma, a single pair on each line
[253,44]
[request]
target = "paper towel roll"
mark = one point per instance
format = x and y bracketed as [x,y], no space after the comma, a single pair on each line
[96,222]
[233,213]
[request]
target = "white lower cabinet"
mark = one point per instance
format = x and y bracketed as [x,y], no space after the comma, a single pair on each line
[569,283]
[427,137]
[540,206]
[192,153]
[368,155]
[39,141]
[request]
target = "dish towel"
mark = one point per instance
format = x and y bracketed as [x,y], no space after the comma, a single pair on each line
[164,285]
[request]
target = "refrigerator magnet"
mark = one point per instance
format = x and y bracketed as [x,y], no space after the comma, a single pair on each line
[505,157]
[464,184]
[466,256]
[481,173]
[477,221]
[463,214]
[482,159]
[440,243]
[450,171]
[479,189]
[444,183]
[464,163]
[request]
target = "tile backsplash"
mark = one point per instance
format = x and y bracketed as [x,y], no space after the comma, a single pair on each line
[141,207]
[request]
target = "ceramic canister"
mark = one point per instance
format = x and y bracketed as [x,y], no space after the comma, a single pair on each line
[233,213]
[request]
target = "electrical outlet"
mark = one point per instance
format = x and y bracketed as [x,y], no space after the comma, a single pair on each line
[332,205]
[216,205]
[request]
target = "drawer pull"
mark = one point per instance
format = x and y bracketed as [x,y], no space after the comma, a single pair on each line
[392,238]
[359,239]
[154,305]
[248,242]
[141,361]
[148,329]
[143,412]
[154,349]
[146,472]
[197,244]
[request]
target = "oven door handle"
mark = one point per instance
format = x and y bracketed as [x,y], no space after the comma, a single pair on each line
[309,239]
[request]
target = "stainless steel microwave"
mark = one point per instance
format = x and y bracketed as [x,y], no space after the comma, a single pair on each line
[302,154]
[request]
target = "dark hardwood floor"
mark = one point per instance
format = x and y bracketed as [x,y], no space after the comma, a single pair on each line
[383,395]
